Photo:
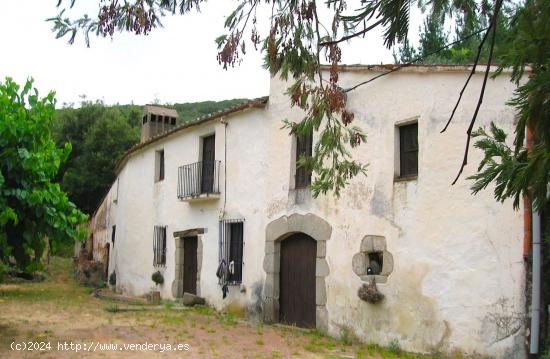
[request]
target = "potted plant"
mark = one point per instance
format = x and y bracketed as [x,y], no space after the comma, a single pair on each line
[112,280]
[158,279]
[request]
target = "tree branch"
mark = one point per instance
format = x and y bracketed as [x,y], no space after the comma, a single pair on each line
[480,47]
[492,26]
[345,38]
[320,73]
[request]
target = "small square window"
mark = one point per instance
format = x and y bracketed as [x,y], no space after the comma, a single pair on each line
[408,150]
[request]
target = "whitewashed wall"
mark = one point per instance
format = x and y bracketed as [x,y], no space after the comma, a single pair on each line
[458,278]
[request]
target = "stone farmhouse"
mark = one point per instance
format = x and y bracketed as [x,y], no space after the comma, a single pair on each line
[224,189]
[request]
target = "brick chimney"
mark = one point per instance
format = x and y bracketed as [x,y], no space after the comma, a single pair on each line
[156,120]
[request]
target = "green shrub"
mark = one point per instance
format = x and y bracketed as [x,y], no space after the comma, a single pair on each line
[3,269]
[112,278]
[157,277]
[394,346]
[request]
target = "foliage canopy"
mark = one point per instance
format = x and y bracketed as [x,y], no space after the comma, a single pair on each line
[33,208]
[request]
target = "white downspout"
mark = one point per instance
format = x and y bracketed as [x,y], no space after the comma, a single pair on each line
[535,290]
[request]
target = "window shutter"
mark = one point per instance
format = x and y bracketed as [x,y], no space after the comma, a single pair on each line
[161,166]
[408,150]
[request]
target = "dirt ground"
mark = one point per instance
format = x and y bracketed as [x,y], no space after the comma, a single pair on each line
[59,312]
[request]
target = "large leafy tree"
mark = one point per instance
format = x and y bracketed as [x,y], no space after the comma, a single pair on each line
[299,40]
[33,208]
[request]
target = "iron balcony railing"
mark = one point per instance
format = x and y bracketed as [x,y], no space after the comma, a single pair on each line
[198,178]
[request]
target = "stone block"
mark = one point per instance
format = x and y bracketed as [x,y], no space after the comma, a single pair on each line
[176,290]
[269,310]
[379,279]
[276,229]
[378,243]
[317,228]
[359,264]
[190,300]
[387,267]
[321,268]
[320,291]
[269,247]
[271,263]
[321,318]
[269,286]
[366,244]
[321,249]
[295,222]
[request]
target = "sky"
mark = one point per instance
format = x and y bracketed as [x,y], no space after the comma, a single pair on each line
[173,64]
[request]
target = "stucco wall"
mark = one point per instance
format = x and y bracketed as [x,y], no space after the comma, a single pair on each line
[457,281]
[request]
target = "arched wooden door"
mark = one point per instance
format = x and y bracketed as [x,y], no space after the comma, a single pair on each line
[297,281]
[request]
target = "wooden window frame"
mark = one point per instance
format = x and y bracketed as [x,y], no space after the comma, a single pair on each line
[408,170]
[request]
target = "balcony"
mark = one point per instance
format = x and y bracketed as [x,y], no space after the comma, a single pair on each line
[199,181]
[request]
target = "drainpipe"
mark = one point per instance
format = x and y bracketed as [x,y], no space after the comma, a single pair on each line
[223,121]
[536,263]
[527,213]
[535,295]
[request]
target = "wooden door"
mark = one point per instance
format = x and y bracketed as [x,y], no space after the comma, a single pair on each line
[208,158]
[190,265]
[297,281]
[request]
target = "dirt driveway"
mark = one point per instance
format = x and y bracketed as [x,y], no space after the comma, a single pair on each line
[61,313]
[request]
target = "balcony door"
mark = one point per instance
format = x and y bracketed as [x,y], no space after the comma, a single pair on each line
[208,158]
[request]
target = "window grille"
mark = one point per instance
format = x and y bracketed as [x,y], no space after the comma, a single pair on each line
[159,246]
[231,248]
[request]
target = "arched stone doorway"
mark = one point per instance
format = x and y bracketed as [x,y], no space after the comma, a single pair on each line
[276,232]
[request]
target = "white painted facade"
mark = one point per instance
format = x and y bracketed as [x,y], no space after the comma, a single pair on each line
[458,276]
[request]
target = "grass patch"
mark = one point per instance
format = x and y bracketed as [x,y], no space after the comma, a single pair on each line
[228,319]
[204,310]
[260,329]
[59,288]
[391,351]
[173,320]
[112,308]
[318,342]
[7,335]
[259,342]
